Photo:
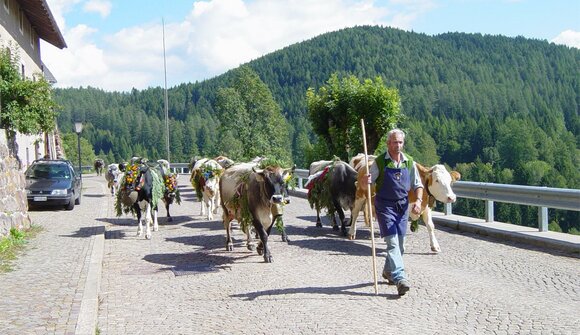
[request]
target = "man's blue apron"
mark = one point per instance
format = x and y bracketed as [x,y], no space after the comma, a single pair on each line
[392,201]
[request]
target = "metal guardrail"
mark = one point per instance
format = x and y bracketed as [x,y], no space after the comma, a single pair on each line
[541,197]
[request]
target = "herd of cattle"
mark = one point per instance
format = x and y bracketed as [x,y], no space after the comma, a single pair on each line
[254,193]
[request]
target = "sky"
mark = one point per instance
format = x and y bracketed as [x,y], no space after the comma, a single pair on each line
[118,45]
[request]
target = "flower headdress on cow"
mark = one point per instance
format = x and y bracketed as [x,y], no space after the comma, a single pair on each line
[200,175]
[133,181]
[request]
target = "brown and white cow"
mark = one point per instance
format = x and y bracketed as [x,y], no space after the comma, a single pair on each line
[437,183]
[248,194]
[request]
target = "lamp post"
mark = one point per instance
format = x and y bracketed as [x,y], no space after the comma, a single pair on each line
[78,129]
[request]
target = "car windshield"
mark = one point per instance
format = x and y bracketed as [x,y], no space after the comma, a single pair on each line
[42,171]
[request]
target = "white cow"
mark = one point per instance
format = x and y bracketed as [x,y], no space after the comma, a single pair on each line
[114,176]
[205,178]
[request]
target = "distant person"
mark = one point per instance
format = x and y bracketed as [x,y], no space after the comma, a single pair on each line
[395,174]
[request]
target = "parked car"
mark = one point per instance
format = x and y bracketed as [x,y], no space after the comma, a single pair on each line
[53,183]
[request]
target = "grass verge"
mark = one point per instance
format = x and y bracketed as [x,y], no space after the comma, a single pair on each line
[12,244]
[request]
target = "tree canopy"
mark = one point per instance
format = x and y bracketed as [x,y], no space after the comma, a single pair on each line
[335,111]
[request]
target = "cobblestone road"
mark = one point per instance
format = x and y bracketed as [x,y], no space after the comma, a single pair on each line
[183,281]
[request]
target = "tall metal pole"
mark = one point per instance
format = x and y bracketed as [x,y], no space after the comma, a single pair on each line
[79,152]
[166,107]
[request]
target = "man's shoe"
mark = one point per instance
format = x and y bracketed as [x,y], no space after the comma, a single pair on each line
[388,278]
[403,286]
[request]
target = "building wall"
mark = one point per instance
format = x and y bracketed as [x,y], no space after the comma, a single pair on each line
[24,38]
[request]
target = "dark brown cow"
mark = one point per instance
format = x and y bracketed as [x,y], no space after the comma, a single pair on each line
[334,180]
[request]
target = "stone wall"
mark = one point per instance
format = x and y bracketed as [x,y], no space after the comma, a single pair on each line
[13,203]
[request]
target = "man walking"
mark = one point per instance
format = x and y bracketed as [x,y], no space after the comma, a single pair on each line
[395,174]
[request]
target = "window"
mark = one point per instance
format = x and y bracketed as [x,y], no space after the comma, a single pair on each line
[23,72]
[32,38]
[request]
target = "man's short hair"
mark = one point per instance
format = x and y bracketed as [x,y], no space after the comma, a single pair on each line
[395,131]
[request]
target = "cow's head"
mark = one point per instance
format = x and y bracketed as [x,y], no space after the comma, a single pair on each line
[170,182]
[211,182]
[114,174]
[276,180]
[133,178]
[438,184]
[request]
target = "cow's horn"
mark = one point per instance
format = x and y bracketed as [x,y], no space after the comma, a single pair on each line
[257,170]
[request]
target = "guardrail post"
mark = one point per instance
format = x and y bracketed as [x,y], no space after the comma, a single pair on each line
[543,218]
[300,183]
[447,209]
[489,211]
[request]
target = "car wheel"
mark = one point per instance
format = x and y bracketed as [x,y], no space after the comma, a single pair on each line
[78,200]
[71,204]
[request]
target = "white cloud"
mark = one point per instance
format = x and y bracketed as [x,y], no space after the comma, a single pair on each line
[226,33]
[215,36]
[568,37]
[103,7]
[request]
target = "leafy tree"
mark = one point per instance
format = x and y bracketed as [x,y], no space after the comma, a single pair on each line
[335,111]
[70,146]
[26,106]
[249,113]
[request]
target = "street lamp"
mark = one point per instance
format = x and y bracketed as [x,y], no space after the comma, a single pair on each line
[78,129]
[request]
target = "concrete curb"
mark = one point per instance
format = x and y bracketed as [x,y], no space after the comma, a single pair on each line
[87,321]
[527,235]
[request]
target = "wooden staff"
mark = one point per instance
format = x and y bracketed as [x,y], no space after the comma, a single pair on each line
[370,208]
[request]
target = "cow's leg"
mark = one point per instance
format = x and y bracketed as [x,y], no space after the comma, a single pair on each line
[249,242]
[167,203]
[148,221]
[318,221]
[210,208]
[154,212]
[139,217]
[204,204]
[338,209]
[217,200]
[358,205]
[227,226]
[263,247]
[428,219]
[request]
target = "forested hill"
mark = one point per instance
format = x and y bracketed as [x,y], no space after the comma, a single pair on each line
[504,109]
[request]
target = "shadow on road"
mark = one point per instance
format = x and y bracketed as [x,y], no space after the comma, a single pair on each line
[128,221]
[342,290]
[88,232]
